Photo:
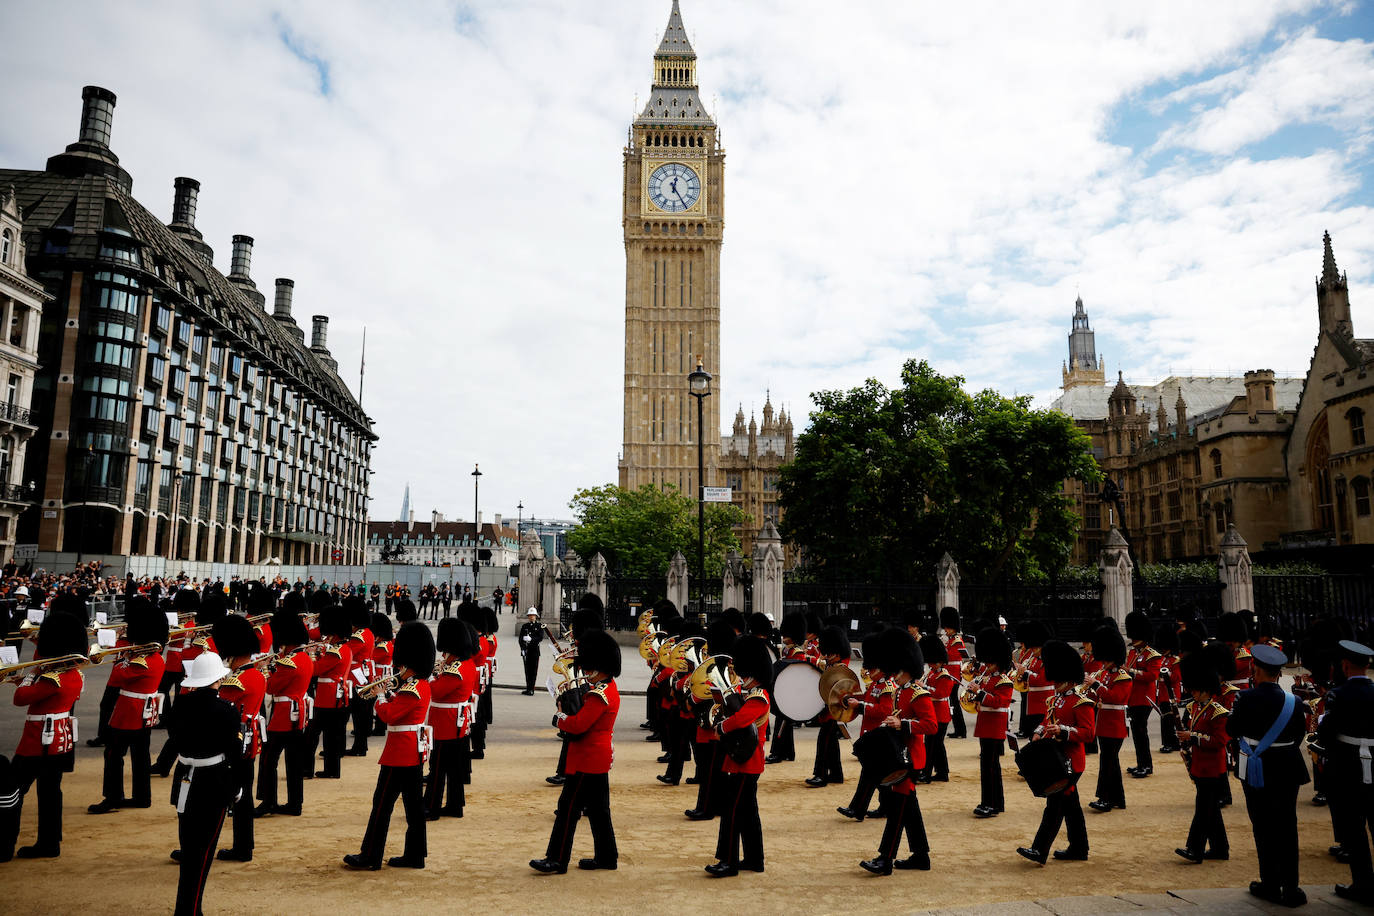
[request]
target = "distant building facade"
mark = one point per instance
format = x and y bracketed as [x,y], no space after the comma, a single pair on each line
[176,416]
[750,458]
[442,543]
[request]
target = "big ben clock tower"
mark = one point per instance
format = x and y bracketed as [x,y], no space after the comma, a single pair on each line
[673,215]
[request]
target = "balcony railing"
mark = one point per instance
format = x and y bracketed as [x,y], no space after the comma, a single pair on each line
[13,413]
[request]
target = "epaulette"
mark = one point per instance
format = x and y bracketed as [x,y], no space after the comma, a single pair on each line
[1082,699]
[335,651]
[54,676]
[201,641]
[288,661]
[1242,652]
[1002,679]
[454,668]
[1152,653]
[412,687]
[140,660]
[917,692]
[888,689]
[756,692]
[600,690]
[1219,710]
[232,681]
[1120,676]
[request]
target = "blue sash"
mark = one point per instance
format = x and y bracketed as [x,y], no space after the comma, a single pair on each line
[1254,768]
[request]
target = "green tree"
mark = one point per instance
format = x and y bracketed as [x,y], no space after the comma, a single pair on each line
[638,531]
[885,480]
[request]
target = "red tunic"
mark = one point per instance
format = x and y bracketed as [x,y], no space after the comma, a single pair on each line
[941,685]
[1077,721]
[405,712]
[877,704]
[1228,696]
[331,677]
[1207,756]
[177,643]
[1039,691]
[450,691]
[245,689]
[287,685]
[1144,664]
[992,707]
[591,729]
[1245,669]
[381,659]
[916,708]
[362,644]
[754,709]
[264,638]
[199,645]
[958,654]
[54,695]
[137,681]
[1112,699]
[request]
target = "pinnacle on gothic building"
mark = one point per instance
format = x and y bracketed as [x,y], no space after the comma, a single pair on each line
[1085,365]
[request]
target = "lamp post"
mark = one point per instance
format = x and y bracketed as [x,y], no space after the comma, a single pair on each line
[699,386]
[433,537]
[178,481]
[519,519]
[476,529]
[86,456]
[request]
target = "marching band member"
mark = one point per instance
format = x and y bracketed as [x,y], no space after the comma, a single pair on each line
[993,692]
[47,747]
[206,729]
[586,788]
[678,717]
[1346,735]
[957,652]
[1223,659]
[739,815]
[1232,631]
[382,634]
[1203,742]
[1069,719]
[404,709]
[875,708]
[333,691]
[490,627]
[1270,731]
[1033,634]
[834,648]
[913,713]
[287,717]
[136,676]
[793,634]
[1168,691]
[451,691]
[584,621]
[361,645]
[710,756]
[942,686]
[1112,691]
[1142,664]
[245,688]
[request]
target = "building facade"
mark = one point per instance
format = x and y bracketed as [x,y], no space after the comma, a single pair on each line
[438,542]
[176,416]
[1286,460]
[750,458]
[21,309]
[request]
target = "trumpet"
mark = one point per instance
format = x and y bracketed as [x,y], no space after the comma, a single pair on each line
[15,673]
[99,656]
[258,620]
[378,687]
[1020,679]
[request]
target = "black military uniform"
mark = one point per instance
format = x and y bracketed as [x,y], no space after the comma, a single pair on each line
[1271,772]
[209,742]
[531,634]
[1346,734]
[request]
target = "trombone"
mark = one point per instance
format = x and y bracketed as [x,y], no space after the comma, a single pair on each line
[99,656]
[13,674]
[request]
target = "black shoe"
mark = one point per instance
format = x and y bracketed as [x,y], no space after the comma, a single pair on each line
[1264,891]
[38,852]
[594,865]
[356,752]
[751,866]
[691,780]
[548,867]
[136,803]
[1320,801]
[666,780]
[852,814]
[528,693]
[1034,855]
[361,864]
[289,810]
[1217,856]
[1100,805]
[555,780]
[815,782]
[1071,855]
[432,815]
[696,814]
[1142,772]
[1292,897]
[233,855]
[922,780]
[1356,892]
[1130,771]
[916,862]
[405,862]
[984,811]
[944,778]
[451,812]
[773,758]
[479,755]
[264,809]
[653,736]
[648,726]
[876,813]
[325,774]
[664,758]
[877,866]
[95,742]
[162,772]
[721,870]
[961,735]
[1168,749]
[174,855]
[106,806]
[1185,853]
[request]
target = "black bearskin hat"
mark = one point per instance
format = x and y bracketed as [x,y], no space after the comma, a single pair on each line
[145,624]
[591,600]
[259,600]
[752,660]
[359,613]
[663,609]
[63,634]
[949,619]
[1108,646]
[319,599]
[1231,628]
[1033,633]
[213,607]
[405,610]
[587,619]
[69,604]
[1087,629]
[414,649]
[288,629]
[1138,626]
[294,602]
[185,600]
[813,623]
[735,618]
[793,627]
[333,622]
[490,621]
[901,653]
[760,625]
[380,625]
[456,638]
[911,617]
[875,651]
[1063,664]
[834,641]
[1189,641]
[1200,674]
[235,637]
[471,614]
[720,638]
[991,647]
[933,648]
[1222,659]
[1166,638]
[597,650]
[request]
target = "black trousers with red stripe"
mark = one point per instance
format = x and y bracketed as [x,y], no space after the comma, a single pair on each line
[198,829]
[903,814]
[710,780]
[739,821]
[446,768]
[589,794]
[408,784]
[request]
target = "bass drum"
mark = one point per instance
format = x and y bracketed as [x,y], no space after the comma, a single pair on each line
[882,755]
[1045,766]
[796,690]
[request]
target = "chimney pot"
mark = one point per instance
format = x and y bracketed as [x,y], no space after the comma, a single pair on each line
[319,332]
[281,306]
[184,200]
[97,115]
[242,258]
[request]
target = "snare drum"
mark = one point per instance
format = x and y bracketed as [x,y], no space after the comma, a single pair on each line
[882,754]
[1045,766]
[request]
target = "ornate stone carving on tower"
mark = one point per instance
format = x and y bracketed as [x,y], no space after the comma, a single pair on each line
[1085,365]
[673,219]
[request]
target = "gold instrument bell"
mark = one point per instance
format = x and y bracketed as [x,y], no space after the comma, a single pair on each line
[687,654]
[646,622]
[838,682]
[665,649]
[713,672]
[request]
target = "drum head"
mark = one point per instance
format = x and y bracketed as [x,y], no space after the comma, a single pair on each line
[796,692]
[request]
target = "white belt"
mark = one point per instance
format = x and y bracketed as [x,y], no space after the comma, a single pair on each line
[1040,689]
[1254,742]
[326,680]
[1240,682]
[404,728]
[447,705]
[1366,762]
[137,696]
[55,716]
[1006,709]
[1113,706]
[200,761]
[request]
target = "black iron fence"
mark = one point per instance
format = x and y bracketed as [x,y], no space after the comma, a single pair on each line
[1064,608]
[627,598]
[1295,601]
[864,606]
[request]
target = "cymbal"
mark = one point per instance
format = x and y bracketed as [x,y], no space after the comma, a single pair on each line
[838,682]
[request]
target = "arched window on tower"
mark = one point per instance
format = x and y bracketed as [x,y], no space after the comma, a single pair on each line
[6,246]
[1216,463]
[1356,418]
[1360,487]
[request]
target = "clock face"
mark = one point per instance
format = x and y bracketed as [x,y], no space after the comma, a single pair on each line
[674,187]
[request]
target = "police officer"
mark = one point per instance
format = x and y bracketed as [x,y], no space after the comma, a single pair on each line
[531,633]
[1269,728]
[1346,733]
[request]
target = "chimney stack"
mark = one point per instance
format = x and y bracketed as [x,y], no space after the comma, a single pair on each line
[319,333]
[242,259]
[281,307]
[91,154]
[184,202]
[97,115]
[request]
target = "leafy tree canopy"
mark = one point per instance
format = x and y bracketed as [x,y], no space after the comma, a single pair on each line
[887,480]
[638,531]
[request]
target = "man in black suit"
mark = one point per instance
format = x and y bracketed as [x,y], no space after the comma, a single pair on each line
[1267,723]
[1346,733]
[531,632]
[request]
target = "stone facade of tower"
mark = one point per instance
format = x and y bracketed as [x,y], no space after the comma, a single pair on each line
[749,461]
[1085,365]
[673,218]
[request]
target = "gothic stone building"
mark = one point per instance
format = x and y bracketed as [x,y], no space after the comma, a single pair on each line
[176,417]
[1284,460]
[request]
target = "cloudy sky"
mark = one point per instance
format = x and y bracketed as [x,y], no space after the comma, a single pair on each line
[903,180]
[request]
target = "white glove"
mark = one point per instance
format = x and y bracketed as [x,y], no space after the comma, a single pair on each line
[524,639]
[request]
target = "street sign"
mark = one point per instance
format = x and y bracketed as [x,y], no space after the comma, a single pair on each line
[26,551]
[715,494]
[336,556]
